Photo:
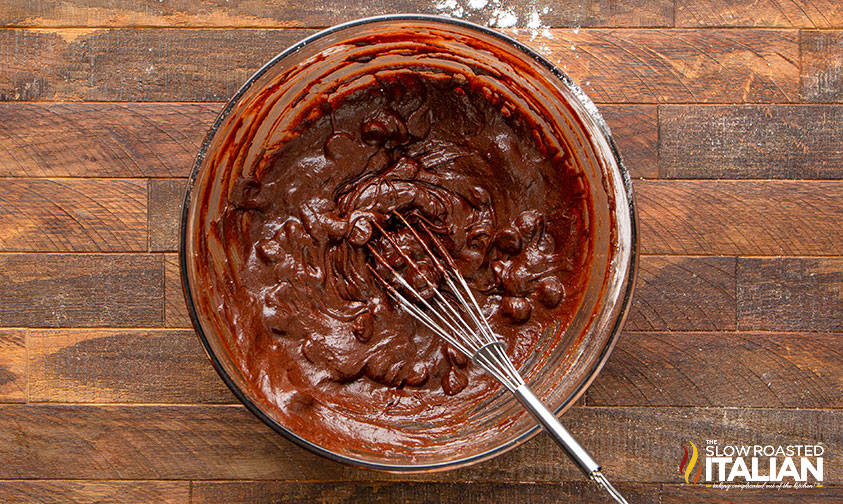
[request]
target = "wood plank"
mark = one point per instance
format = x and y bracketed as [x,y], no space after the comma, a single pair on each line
[165,203]
[626,65]
[759,13]
[175,309]
[297,13]
[682,494]
[764,370]
[134,65]
[66,215]
[662,301]
[124,366]
[226,442]
[90,290]
[635,129]
[278,492]
[679,66]
[12,365]
[162,139]
[102,139]
[822,66]
[737,217]
[791,294]
[768,141]
[94,492]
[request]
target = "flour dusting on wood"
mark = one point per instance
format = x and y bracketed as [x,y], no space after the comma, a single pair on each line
[495,14]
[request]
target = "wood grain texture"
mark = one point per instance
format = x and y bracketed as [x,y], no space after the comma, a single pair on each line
[734,217]
[91,290]
[636,131]
[765,370]
[12,365]
[165,203]
[124,366]
[760,13]
[280,492]
[629,65]
[134,65]
[767,141]
[226,442]
[94,492]
[740,349]
[67,215]
[102,139]
[298,13]
[683,294]
[682,494]
[175,309]
[791,294]
[234,492]
[822,66]
[679,66]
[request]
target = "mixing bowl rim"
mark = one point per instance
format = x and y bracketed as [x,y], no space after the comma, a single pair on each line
[631,274]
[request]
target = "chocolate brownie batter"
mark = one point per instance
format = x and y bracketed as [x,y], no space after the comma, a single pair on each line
[316,334]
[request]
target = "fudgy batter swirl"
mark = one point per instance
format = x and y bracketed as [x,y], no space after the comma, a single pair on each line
[440,147]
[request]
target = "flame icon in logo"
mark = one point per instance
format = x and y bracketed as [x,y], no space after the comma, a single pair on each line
[686,470]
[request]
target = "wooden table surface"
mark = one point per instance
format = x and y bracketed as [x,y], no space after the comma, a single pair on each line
[729,114]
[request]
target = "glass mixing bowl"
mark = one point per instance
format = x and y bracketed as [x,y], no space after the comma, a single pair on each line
[568,358]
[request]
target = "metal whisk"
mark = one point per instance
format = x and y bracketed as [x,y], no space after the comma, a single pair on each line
[461,323]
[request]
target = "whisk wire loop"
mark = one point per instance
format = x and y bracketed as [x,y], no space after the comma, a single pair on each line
[464,326]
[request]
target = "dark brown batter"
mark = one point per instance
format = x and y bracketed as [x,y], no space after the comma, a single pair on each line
[316,335]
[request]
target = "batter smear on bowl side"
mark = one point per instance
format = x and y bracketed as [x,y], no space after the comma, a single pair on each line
[315,334]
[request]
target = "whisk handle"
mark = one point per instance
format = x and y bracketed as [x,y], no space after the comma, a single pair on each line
[556,430]
[564,439]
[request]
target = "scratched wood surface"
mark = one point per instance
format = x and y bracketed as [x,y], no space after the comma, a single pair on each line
[729,116]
